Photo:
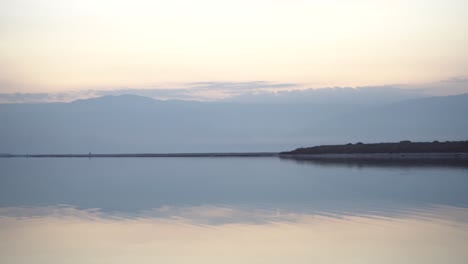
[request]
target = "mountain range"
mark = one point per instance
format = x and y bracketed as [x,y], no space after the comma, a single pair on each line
[136,124]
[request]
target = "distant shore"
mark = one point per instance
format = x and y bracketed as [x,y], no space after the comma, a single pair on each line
[378,156]
[414,156]
[401,150]
[145,155]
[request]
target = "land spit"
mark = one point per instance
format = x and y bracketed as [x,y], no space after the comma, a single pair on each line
[146,155]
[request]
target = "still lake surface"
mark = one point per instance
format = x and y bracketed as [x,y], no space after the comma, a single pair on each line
[231,210]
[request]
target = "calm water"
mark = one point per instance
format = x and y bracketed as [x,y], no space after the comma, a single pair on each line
[231,210]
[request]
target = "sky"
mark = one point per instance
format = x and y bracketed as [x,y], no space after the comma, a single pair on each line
[55,46]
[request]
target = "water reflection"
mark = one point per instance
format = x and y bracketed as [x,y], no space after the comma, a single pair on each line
[135,185]
[180,235]
[384,162]
[231,210]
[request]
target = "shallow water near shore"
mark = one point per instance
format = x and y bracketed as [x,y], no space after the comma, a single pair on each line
[231,210]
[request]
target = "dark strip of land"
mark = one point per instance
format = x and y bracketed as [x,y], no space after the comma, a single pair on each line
[145,155]
[402,147]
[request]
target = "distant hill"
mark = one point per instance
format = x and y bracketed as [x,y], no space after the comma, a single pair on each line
[135,124]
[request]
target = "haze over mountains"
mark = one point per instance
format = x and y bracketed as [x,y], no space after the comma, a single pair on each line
[136,124]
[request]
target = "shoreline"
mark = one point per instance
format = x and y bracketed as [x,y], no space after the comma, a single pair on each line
[399,156]
[147,155]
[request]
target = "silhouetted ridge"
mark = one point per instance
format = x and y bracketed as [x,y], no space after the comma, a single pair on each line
[135,124]
[401,147]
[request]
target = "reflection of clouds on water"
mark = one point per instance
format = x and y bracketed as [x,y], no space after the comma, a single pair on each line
[221,215]
[181,234]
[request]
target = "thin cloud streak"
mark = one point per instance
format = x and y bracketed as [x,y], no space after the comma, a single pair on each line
[198,91]
[258,91]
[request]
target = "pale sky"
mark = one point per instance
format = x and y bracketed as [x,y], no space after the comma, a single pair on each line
[63,45]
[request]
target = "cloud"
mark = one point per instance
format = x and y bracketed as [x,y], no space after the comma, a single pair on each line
[240,86]
[459,79]
[452,86]
[199,91]
[334,95]
[259,91]
[355,95]
[162,94]
[43,97]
